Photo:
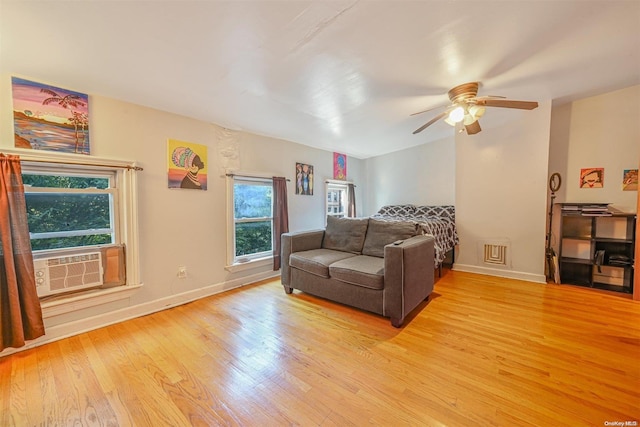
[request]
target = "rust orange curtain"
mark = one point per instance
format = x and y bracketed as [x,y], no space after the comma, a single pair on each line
[280,217]
[20,312]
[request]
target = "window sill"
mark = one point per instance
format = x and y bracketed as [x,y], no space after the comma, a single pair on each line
[69,303]
[254,263]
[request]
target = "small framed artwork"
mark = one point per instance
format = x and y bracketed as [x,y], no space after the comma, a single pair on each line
[592,178]
[339,166]
[630,180]
[186,164]
[304,179]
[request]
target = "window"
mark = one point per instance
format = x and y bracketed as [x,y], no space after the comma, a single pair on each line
[336,199]
[74,209]
[252,218]
[78,206]
[70,209]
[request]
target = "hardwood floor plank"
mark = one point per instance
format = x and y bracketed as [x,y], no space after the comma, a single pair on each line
[199,405]
[66,409]
[5,390]
[49,394]
[19,414]
[33,386]
[482,351]
[90,392]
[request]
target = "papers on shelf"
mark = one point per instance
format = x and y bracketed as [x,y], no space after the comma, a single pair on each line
[587,209]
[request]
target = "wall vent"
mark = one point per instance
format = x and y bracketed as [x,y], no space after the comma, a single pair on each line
[495,254]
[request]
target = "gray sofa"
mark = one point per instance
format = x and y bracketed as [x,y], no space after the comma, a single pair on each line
[382,267]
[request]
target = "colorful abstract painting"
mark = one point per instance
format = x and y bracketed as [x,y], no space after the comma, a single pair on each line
[339,166]
[630,180]
[592,178]
[50,118]
[187,165]
[304,179]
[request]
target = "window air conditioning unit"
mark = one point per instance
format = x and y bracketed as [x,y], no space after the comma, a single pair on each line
[68,273]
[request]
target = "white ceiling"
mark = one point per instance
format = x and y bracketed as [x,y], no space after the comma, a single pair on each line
[339,75]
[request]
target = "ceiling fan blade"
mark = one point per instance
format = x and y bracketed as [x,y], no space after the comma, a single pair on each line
[491,97]
[430,122]
[473,128]
[508,103]
[429,109]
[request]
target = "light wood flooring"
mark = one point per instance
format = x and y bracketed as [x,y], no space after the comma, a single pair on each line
[484,351]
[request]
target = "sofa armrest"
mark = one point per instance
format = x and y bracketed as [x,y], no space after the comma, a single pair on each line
[408,276]
[297,242]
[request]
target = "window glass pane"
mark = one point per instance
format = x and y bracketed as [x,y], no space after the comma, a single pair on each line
[336,200]
[253,237]
[252,200]
[54,181]
[49,212]
[69,242]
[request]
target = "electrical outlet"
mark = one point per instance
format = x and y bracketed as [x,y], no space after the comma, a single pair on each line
[182,272]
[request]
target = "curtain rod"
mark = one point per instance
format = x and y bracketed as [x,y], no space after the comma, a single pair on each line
[252,176]
[336,181]
[97,164]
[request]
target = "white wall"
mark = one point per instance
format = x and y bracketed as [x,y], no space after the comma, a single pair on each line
[183,227]
[305,212]
[600,131]
[501,176]
[422,175]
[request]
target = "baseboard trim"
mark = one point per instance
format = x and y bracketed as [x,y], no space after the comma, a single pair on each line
[519,275]
[65,330]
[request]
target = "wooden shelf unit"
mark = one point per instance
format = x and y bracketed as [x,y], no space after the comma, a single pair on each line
[582,236]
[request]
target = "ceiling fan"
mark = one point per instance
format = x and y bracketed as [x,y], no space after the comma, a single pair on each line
[466,108]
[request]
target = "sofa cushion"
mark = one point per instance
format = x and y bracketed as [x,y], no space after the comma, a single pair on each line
[317,261]
[361,270]
[345,234]
[381,233]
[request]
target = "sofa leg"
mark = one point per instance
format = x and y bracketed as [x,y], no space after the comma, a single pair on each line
[287,289]
[396,323]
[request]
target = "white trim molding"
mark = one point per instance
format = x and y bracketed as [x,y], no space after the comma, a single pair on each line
[251,264]
[82,300]
[519,275]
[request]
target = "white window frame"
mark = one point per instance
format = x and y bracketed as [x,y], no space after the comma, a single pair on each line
[331,188]
[243,262]
[125,227]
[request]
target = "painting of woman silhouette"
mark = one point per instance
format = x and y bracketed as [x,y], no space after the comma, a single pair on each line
[187,165]
[304,179]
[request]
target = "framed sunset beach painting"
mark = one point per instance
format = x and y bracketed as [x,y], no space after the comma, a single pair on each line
[50,118]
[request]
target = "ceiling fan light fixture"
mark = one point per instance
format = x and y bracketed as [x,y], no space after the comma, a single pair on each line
[468,119]
[477,111]
[457,114]
[466,108]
